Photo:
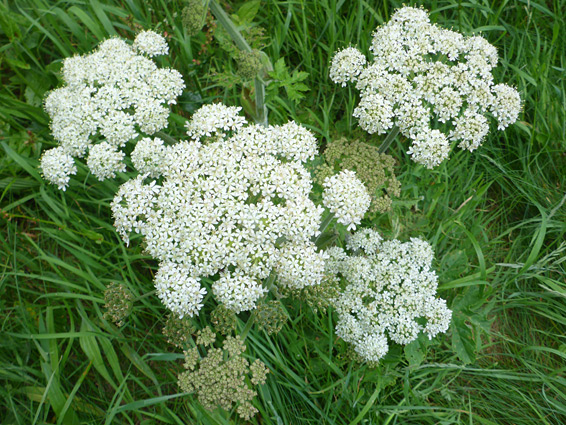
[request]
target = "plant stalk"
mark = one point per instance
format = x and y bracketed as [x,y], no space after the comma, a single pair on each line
[242,44]
[389,139]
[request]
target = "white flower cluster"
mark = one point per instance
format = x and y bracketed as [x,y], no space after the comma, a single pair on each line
[234,205]
[151,44]
[104,161]
[214,119]
[389,286]
[181,293]
[423,77]
[148,156]
[110,96]
[346,197]
[347,65]
[57,166]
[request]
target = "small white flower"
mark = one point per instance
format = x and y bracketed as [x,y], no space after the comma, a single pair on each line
[114,92]
[470,128]
[347,65]
[151,43]
[214,119]
[148,156]
[507,105]
[237,291]
[375,113]
[104,161]
[423,75]
[178,291]
[389,287]
[300,265]
[57,166]
[347,197]
[236,203]
[430,148]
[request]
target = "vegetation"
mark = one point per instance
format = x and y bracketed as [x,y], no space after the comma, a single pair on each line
[495,218]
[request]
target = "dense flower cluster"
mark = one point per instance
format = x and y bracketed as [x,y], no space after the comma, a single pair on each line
[57,166]
[346,197]
[111,96]
[375,170]
[389,286]
[233,202]
[423,77]
[218,379]
[347,65]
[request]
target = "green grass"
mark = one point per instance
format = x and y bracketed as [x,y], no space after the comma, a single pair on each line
[495,218]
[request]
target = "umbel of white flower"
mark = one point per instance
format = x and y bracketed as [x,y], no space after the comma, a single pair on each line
[389,285]
[346,197]
[109,97]
[232,204]
[434,84]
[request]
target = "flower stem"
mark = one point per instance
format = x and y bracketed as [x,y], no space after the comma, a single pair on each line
[242,44]
[147,294]
[326,222]
[324,225]
[248,326]
[165,137]
[389,139]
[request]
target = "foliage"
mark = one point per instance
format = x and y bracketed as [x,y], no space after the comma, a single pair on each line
[496,221]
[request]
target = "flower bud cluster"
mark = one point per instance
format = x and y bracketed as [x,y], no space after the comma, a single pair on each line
[375,170]
[424,79]
[178,331]
[390,288]
[232,204]
[118,302]
[110,97]
[270,316]
[219,378]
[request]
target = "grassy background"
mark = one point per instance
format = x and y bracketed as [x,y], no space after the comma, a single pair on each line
[495,217]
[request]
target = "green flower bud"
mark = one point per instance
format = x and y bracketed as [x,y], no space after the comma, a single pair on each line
[118,303]
[194,16]
[270,317]
[249,64]
[178,331]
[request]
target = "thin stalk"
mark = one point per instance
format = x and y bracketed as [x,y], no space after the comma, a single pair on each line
[166,137]
[269,285]
[324,225]
[248,326]
[389,139]
[147,294]
[242,44]
[260,106]
[229,26]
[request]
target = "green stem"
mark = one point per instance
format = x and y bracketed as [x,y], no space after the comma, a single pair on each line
[326,222]
[269,285]
[242,44]
[324,225]
[141,297]
[248,326]
[389,139]
[165,137]
[229,26]
[260,106]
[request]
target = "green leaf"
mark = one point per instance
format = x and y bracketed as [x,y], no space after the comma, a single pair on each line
[462,340]
[246,13]
[415,352]
[291,82]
